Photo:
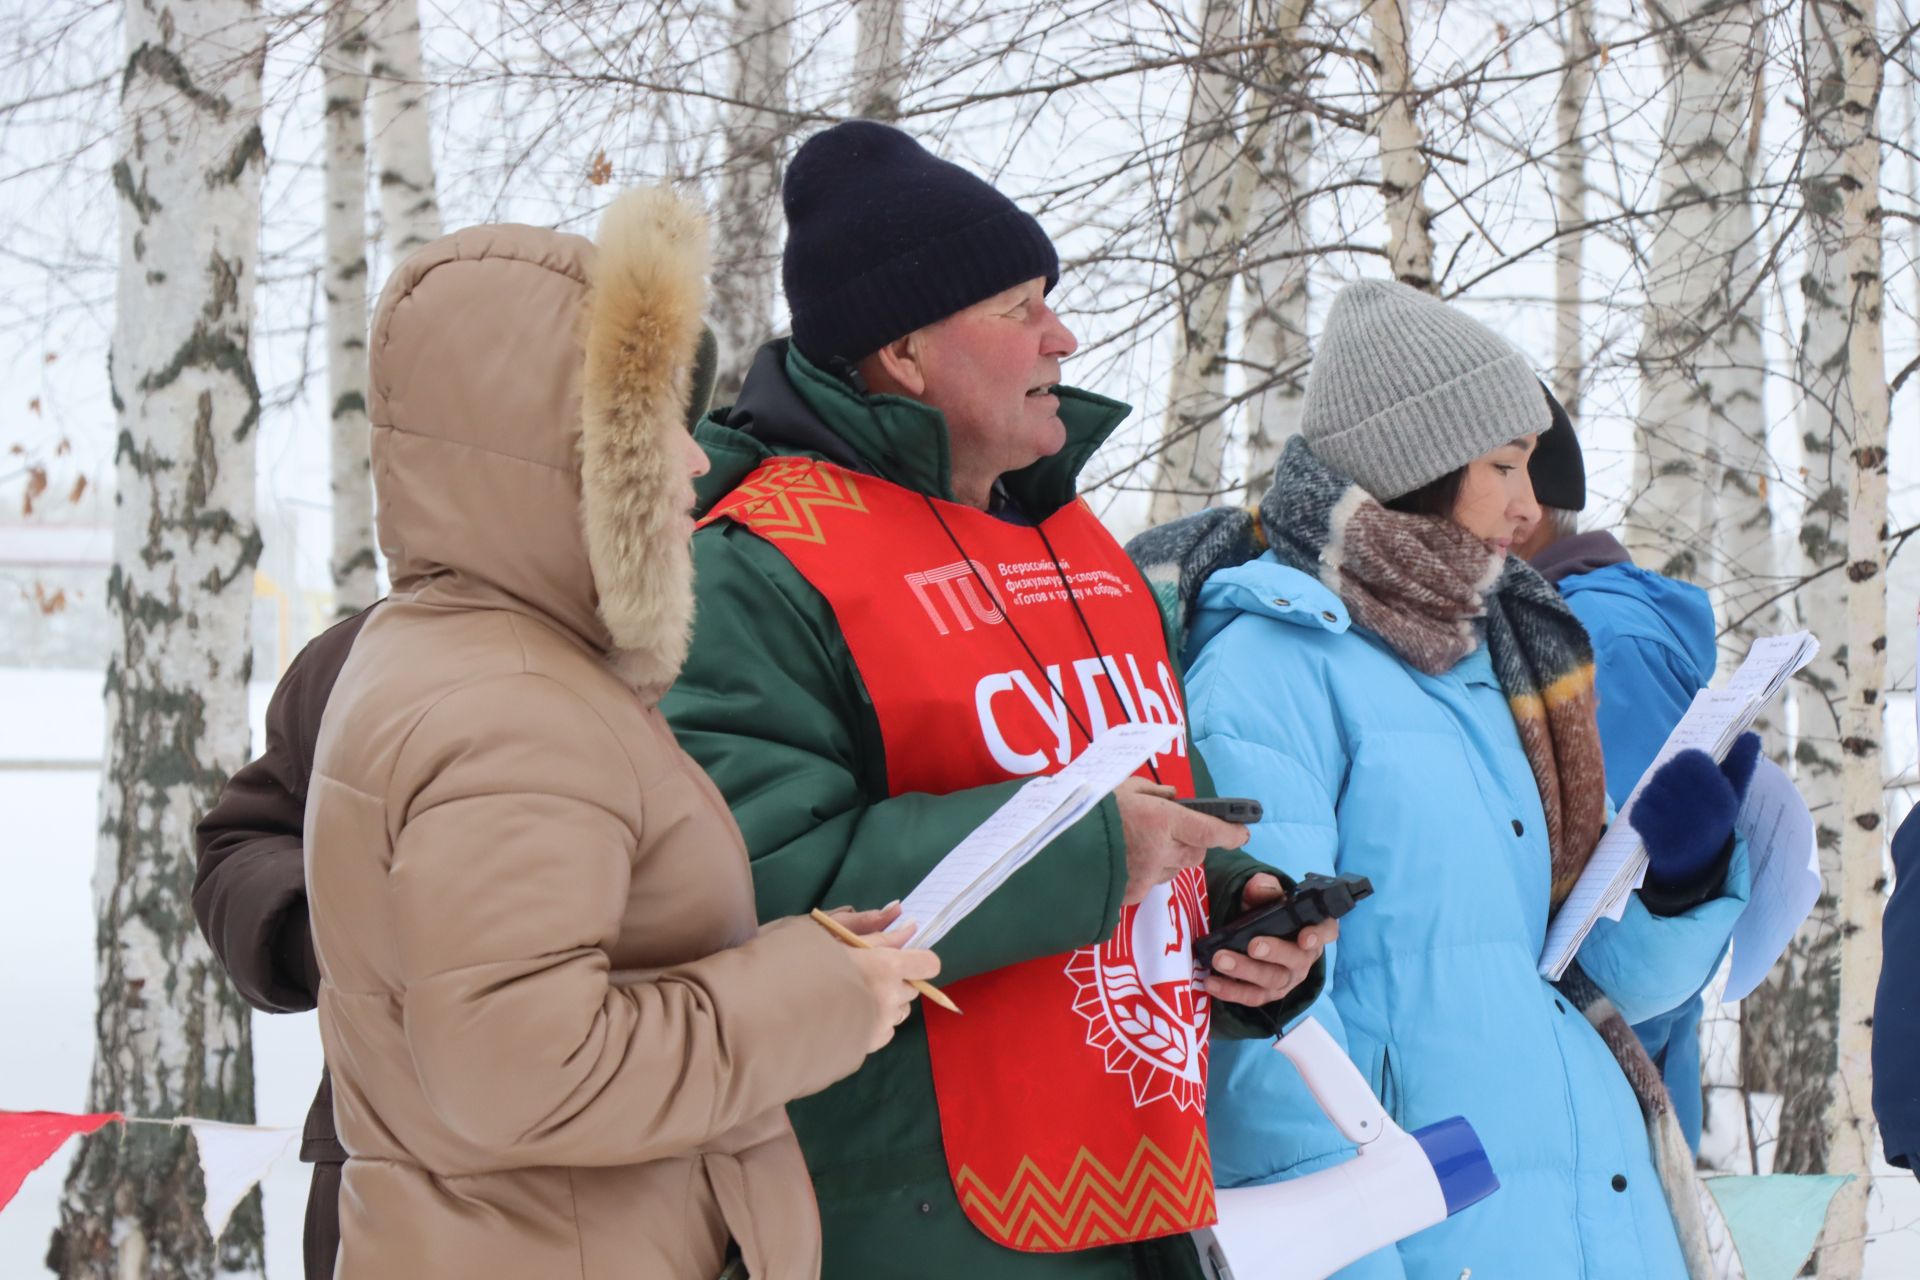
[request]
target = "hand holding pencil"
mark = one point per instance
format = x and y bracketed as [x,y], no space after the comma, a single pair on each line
[892,973]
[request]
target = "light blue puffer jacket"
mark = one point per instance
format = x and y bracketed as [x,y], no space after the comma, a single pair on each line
[1419,783]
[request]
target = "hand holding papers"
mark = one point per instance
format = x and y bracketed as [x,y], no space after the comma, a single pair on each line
[1716,718]
[1020,828]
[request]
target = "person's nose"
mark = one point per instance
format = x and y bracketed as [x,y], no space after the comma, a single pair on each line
[1059,342]
[1525,507]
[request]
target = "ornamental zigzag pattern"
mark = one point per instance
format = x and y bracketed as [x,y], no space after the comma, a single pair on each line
[1153,1196]
[782,505]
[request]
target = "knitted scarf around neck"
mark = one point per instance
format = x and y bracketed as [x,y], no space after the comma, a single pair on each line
[1431,590]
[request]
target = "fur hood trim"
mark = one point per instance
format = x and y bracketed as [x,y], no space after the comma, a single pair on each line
[643,326]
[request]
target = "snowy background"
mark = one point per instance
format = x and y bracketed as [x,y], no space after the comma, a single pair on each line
[51,730]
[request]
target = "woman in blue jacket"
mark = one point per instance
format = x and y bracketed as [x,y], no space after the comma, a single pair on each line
[1416,706]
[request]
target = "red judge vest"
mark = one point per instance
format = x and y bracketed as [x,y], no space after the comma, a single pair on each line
[1072,1089]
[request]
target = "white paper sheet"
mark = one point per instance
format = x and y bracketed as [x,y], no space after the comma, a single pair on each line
[1785,859]
[1712,723]
[1020,828]
[1771,663]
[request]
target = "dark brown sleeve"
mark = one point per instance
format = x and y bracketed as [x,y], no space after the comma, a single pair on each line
[250,891]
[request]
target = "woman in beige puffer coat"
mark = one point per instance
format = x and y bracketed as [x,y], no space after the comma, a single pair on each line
[560,1045]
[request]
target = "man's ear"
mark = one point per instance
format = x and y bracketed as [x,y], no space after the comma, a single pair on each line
[897,367]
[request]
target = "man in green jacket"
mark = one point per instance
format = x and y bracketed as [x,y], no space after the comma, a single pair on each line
[904,614]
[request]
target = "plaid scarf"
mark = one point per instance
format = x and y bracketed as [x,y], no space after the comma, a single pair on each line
[1429,588]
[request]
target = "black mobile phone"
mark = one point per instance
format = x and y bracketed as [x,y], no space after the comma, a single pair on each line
[1314,899]
[1226,808]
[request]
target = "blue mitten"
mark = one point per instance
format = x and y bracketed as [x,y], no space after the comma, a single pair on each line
[1685,816]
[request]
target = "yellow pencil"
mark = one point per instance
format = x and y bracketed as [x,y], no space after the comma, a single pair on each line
[853,939]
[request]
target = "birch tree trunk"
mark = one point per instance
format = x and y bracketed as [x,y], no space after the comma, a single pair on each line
[1274,171]
[402,129]
[1750,577]
[1912,135]
[1207,225]
[354,564]
[1403,164]
[1855,143]
[1570,207]
[1743,570]
[749,216]
[1790,1043]
[1699,279]
[172,1038]
[1748,573]
[878,72]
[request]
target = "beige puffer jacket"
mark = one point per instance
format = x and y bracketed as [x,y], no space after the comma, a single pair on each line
[560,1046]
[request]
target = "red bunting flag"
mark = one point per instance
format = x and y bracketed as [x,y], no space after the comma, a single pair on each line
[27,1138]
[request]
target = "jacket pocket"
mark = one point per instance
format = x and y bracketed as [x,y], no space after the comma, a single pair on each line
[1385,1082]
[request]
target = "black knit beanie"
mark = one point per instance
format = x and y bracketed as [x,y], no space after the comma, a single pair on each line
[884,238]
[1557,468]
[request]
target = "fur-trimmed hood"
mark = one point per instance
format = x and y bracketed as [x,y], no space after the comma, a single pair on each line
[527,392]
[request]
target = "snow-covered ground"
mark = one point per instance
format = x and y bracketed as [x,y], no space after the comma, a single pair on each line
[50,736]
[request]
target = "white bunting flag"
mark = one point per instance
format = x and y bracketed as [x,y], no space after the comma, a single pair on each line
[1775,1219]
[233,1157]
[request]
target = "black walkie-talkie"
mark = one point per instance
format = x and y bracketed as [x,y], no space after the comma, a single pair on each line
[1314,898]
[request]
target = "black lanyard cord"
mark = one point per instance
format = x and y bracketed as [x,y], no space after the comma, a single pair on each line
[1113,675]
[1007,613]
[1079,613]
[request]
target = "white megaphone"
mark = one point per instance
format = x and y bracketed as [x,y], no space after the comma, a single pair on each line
[1397,1183]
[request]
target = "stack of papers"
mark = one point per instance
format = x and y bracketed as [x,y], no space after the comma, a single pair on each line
[1772,662]
[1026,824]
[1716,718]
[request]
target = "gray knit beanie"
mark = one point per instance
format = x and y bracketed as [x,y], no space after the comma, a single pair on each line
[1405,389]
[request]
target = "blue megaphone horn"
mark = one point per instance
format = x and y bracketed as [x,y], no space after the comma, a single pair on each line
[1395,1184]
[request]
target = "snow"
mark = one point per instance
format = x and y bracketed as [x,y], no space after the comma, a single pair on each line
[50,723]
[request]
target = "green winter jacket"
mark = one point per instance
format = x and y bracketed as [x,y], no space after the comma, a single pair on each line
[771,705]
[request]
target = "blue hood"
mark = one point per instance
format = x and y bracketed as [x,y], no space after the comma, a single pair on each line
[1268,589]
[1653,649]
[1676,614]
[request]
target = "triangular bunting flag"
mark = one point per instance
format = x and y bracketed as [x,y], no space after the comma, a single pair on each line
[233,1157]
[1775,1219]
[27,1138]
